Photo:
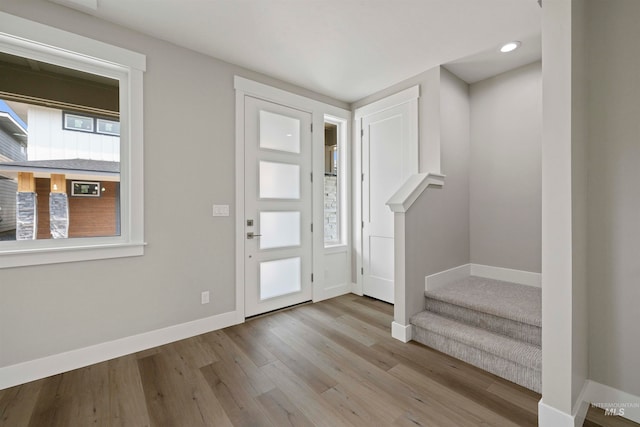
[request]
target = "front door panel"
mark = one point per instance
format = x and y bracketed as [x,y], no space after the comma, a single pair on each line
[278,249]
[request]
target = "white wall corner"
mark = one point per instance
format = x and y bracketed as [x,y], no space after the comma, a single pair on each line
[619,403]
[412,188]
[581,406]
[356,289]
[400,332]
[442,278]
[507,274]
[32,370]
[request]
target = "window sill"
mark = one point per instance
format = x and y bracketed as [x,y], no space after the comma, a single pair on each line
[40,256]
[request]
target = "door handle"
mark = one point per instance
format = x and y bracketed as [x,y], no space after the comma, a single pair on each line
[250,235]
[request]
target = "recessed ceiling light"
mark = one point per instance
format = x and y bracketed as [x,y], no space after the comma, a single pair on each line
[510,47]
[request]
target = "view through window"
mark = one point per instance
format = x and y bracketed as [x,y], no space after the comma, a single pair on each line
[59,152]
[332,186]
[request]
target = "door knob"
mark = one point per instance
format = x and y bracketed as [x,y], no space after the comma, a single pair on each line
[250,235]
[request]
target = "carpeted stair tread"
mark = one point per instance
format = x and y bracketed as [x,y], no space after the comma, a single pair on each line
[519,352]
[512,301]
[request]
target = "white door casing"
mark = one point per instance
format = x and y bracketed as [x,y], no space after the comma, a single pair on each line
[278,206]
[389,156]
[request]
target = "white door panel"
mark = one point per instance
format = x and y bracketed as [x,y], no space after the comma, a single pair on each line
[278,247]
[389,157]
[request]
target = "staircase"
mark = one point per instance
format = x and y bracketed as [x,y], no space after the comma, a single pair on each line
[490,324]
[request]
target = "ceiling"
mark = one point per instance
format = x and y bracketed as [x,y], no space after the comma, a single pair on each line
[346,49]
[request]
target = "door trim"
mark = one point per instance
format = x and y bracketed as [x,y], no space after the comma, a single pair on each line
[245,87]
[410,94]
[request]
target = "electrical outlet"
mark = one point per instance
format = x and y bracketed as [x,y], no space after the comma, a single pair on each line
[204,297]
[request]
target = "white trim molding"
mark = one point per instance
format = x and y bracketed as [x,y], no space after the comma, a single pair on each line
[507,274]
[442,278]
[412,188]
[618,402]
[391,101]
[438,280]
[63,362]
[400,332]
[548,416]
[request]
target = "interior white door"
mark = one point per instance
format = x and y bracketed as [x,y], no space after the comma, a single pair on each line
[278,247]
[389,157]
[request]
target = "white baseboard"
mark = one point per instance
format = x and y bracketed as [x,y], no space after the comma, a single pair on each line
[32,370]
[440,279]
[400,332]
[548,416]
[623,404]
[507,274]
[437,280]
[581,407]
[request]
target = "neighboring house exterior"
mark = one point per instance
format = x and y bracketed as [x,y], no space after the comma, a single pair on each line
[73,148]
[13,136]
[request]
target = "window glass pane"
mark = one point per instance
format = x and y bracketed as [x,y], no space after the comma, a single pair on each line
[332,186]
[279,180]
[279,277]
[37,136]
[75,122]
[279,229]
[278,132]
[108,127]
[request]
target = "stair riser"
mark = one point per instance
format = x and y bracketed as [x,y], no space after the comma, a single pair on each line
[510,328]
[507,369]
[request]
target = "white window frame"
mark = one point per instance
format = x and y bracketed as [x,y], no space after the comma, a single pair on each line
[40,42]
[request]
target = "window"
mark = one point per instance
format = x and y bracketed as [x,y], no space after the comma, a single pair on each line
[79,123]
[334,182]
[62,180]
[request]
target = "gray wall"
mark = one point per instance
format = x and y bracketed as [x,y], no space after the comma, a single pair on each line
[50,309]
[438,222]
[614,198]
[505,171]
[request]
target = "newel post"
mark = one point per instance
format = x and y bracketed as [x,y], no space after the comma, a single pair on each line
[399,204]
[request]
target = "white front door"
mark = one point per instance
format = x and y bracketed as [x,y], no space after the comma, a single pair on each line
[389,157]
[278,235]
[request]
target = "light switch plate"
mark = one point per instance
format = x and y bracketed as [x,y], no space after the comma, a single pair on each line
[220,210]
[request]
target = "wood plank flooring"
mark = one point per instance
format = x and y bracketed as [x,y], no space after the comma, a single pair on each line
[328,364]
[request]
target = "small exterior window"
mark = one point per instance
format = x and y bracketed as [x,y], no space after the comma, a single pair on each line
[79,123]
[108,127]
[85,189]
[75,122]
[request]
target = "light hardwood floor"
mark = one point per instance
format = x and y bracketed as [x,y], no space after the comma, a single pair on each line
[327,364]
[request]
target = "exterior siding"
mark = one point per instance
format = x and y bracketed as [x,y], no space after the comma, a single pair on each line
[88,216]
[10,148]
[48,141]
[8,189]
